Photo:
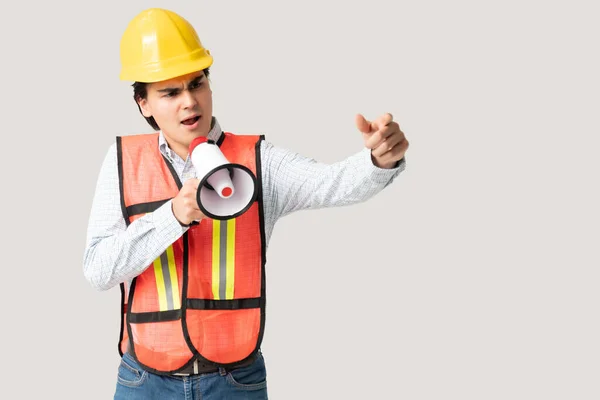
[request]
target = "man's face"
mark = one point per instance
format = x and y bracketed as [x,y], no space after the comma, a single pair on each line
[182,108]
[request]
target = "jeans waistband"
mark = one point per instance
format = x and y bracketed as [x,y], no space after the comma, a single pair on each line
[198,367]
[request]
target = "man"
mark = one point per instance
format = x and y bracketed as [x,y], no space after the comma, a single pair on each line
[193,288]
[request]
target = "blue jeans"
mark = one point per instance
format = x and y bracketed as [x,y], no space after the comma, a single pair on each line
[248,383]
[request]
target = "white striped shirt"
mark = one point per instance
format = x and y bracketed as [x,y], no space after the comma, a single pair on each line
[117,253]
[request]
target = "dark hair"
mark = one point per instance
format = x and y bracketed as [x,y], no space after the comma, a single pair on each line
[140,91]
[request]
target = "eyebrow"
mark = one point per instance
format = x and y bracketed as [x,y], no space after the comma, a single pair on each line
[171,89]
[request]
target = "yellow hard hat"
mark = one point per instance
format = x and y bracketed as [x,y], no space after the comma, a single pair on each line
[158,45]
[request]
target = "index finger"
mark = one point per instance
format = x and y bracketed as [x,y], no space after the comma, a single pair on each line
[382,121]
[381,135]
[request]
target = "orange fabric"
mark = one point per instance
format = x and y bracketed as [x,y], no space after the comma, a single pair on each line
[224,335]
[124,335]
[221,336]
[153,179]
[160,345]
[200,261]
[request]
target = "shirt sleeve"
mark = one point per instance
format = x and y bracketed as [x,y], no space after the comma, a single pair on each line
[296,182]
[115,252]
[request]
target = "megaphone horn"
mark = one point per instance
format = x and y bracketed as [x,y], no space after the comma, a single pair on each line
[226,189]
[222,180]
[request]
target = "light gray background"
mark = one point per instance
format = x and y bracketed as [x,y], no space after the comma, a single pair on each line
[474,276]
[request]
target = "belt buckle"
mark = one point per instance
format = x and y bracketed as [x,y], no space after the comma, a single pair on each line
[189,374]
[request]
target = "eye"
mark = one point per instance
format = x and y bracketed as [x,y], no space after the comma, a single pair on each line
[196,85]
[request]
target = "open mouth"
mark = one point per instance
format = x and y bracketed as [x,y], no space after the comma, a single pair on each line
[190,121]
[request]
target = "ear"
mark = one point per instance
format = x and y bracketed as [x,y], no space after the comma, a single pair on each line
[145,108]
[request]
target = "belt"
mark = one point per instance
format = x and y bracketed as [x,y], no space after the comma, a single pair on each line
[198,367]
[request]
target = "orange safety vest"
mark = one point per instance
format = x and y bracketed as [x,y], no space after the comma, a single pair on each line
[204,297]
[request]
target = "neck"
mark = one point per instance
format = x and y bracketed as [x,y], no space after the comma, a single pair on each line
[178,148]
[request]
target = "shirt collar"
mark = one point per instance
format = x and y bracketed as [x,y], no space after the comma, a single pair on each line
[214,134]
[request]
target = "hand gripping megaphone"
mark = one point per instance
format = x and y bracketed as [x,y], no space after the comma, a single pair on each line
[226,190]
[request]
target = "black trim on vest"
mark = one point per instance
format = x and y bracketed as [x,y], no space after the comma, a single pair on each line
[173,172]
[221,139]
[120,168]
[235,304]
[131,347]
[156,316]
[124,211]
[123,311]
[144,208]
[261,221]
[184,289]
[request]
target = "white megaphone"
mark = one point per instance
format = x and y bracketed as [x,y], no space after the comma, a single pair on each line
[226,190]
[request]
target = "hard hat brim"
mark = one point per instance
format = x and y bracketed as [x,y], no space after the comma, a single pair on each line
[165,70]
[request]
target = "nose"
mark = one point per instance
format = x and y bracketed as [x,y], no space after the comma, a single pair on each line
[188,99]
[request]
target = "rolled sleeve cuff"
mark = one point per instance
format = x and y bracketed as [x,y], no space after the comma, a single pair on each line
[382,175]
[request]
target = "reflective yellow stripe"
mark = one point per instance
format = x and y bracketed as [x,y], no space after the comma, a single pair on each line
[215,257]
[223,259]
[160,285]
[174,280]
[230,257]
